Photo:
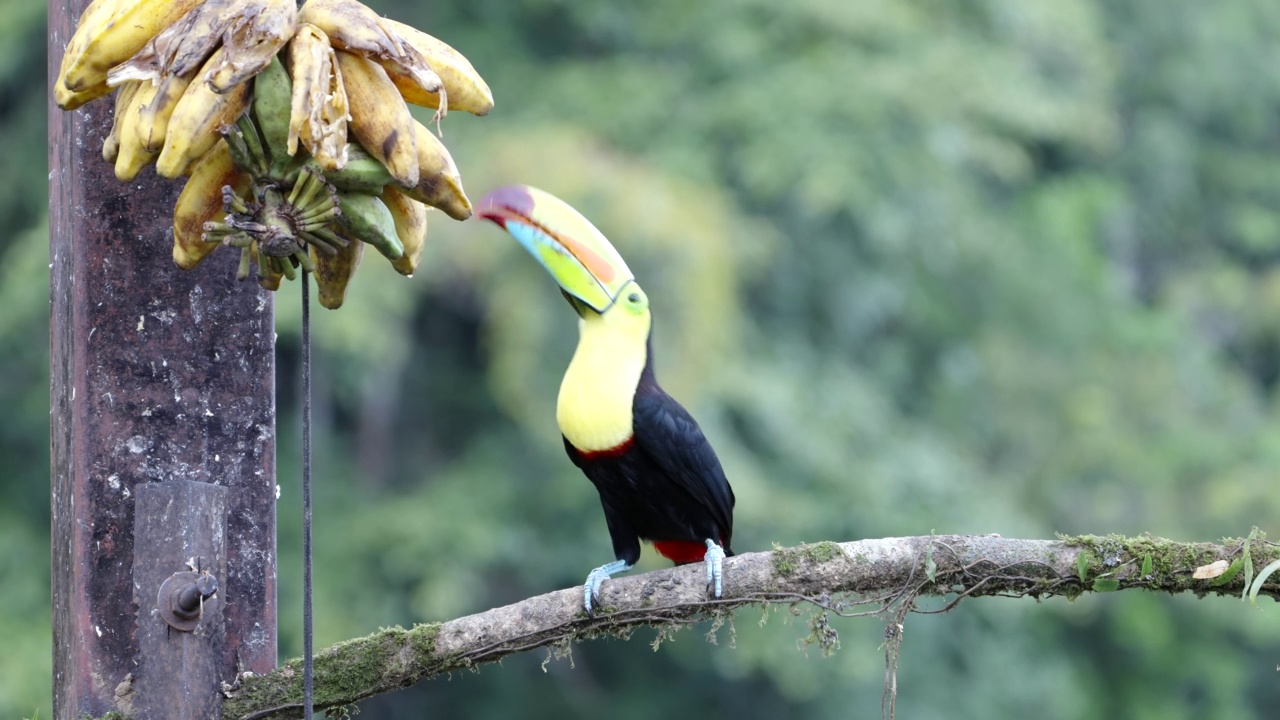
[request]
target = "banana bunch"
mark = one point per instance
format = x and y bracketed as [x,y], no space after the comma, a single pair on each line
[181,70]
[292,125]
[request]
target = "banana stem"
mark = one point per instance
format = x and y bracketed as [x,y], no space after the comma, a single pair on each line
[304,259]
[305,178]
[320,218]
[254,143]
[256,257]
[320,201]
[242,273]
[319,243]
[279,236]
[286,267]
[240,240]
[240,152]
[330,237]
[308,193]
[215,232]
[232,202]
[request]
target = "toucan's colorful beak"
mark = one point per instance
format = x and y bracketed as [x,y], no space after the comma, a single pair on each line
[573,251]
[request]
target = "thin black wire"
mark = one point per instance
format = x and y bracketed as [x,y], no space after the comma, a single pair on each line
[308,678]
[308,681]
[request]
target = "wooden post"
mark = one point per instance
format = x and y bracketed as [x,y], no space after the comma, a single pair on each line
[158,375]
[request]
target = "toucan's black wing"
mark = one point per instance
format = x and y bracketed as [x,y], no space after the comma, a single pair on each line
[671,438]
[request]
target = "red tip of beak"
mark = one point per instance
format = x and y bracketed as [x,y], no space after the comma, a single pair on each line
[510,201]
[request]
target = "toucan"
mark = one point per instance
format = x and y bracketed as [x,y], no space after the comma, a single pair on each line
[658,478]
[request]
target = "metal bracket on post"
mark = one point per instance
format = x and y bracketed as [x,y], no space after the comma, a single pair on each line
[184,596]
[179,561]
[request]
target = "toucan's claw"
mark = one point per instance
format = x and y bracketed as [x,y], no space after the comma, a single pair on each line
[715,567]
[591,588]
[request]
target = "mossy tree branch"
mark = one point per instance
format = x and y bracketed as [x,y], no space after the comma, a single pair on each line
[866,577]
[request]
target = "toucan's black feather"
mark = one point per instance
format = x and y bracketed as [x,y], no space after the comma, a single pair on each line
[671,439]
[665,484]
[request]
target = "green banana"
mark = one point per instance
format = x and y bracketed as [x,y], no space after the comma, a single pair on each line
[367,218]
[362,173]
[272,95]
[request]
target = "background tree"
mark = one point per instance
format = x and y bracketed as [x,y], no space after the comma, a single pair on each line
[994,267]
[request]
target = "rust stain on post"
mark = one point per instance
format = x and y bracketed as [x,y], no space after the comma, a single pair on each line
[157,374]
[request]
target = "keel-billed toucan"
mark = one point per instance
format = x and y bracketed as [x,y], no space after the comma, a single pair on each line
[658,478]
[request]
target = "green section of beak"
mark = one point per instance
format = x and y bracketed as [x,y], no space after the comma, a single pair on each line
[576,254]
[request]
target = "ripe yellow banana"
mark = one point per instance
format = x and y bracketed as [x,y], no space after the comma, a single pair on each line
[111,144]
[198,119]
[379,118]
[114,33]
[260,29]
[466,90]
[201,202]
[131,156]
[68,100]
[64,96]
[181,48]
[153,119]
[250,31]
[334,272]
[354,27]
[318,108]
[414,71]
[410,217]
[439,184]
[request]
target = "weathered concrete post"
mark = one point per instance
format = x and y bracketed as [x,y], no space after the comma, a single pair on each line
[158,376]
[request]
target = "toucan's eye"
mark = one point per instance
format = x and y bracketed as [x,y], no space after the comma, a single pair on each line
[633,298]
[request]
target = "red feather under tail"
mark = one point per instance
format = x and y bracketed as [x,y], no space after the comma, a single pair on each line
[681,552]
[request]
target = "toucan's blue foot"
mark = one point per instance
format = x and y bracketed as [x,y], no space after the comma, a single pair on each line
[591,589]
[715,566]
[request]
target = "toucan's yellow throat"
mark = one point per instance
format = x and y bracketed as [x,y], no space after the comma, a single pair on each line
[594,410]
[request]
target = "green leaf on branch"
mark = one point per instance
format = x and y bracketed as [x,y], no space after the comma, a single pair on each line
[1254,589]
[1248,562]
[1106,585]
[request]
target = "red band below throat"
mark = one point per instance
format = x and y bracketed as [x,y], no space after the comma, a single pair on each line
[613,452]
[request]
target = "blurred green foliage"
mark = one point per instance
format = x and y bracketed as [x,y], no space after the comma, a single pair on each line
[917,266]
